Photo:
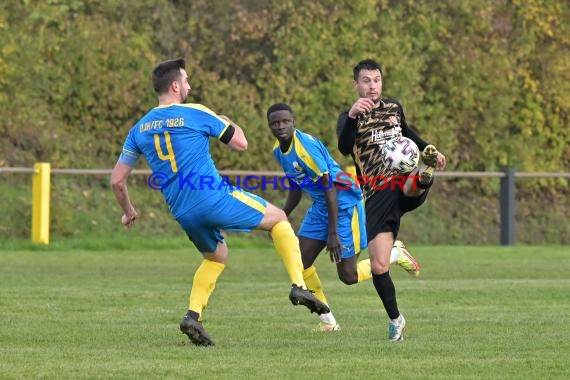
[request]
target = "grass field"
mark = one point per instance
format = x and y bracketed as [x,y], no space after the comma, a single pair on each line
[101,310]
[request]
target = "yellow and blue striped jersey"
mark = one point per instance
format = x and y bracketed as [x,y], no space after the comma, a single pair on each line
[305,163]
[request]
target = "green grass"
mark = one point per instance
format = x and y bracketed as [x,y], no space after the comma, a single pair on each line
[78,310]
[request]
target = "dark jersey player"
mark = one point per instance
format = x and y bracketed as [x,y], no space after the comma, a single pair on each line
[362,132]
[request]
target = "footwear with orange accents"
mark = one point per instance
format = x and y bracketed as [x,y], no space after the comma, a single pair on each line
[406,260]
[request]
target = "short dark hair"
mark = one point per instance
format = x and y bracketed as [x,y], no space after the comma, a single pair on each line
[165,73]
[366,64]
[278,107]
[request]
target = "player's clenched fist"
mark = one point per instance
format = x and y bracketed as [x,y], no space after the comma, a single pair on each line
[361,105]
[129,220]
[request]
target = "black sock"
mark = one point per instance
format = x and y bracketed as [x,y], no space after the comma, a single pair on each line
[387,292]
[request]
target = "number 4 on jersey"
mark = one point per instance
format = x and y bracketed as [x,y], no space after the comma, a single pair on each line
[169,156]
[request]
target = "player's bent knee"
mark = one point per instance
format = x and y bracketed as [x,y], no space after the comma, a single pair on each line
[379,268]
[348,278]
[273,215]
[220,255]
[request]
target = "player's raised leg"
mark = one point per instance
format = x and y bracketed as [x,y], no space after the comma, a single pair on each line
[427,165]
[421,178]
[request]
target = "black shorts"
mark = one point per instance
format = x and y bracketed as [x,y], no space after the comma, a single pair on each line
[385,208]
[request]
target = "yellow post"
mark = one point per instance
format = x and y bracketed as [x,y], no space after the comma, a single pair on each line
[40,203]
[351,170]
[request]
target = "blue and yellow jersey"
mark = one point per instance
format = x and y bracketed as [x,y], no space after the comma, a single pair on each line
[305,163]
[175,142]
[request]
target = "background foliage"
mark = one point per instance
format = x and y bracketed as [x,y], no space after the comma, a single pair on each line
[487,81]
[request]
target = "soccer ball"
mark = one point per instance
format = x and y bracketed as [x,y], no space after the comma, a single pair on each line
[401,155]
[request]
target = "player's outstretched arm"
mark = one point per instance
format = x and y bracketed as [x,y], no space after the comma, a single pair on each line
[119,185]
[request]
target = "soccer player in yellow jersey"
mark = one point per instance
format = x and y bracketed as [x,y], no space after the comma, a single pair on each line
[336,219]
[174,139]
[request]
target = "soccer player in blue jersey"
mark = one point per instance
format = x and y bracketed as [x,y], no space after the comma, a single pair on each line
[336,219]
[174,138]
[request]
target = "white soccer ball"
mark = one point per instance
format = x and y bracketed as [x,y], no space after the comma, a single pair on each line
[401,155]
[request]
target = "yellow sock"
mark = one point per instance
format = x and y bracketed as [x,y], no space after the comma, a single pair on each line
[314,283]
[364,270]
[287,245]
[204,284]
